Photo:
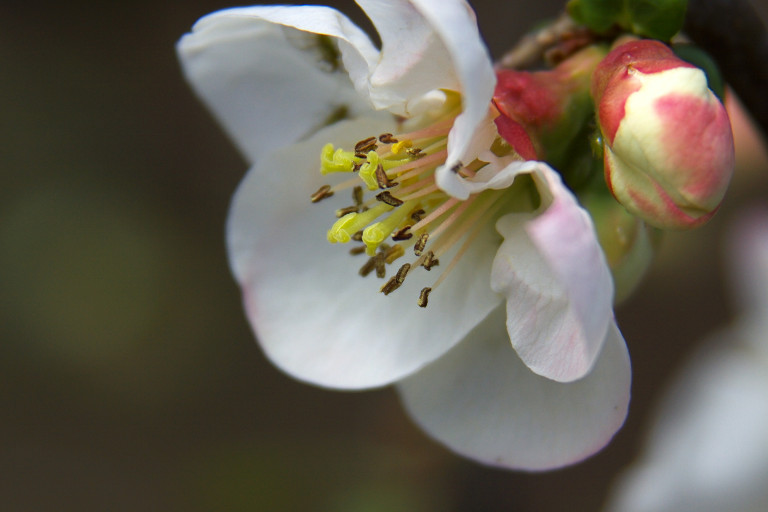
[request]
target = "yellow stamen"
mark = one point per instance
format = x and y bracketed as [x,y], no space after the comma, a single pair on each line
[376,233]
[343,229]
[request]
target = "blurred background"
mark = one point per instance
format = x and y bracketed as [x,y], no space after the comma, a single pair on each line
[130,379]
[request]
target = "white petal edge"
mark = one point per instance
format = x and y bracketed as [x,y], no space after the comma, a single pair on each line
[312,314]
[455,25]
[482,402]
[557,284]
[264,89]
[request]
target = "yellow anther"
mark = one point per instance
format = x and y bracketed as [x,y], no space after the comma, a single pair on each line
[399,147]
[368,170]
[343,229]
[376,233]
[336,161]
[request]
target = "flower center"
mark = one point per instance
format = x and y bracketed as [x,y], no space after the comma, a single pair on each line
[398,208]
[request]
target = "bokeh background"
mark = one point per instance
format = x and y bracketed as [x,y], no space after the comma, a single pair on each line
[129,378]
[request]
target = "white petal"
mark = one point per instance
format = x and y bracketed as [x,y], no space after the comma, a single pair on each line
[482,402]
[558,287]
[270,84]
[708,451]
[313,315]
[426,45]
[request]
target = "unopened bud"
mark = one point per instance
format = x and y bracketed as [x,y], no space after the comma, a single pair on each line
[667,138]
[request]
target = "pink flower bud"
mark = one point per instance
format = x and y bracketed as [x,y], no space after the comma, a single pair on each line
[667,138]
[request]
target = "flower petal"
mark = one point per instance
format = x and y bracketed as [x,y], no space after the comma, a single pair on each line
[482,402]
[427,45]
[557,283]
[314,316]
[267,75]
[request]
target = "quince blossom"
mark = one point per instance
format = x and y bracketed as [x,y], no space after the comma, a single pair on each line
[297,88]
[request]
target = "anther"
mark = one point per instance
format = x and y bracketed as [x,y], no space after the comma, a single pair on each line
[368,267]
[387,198]
[382,179]
[420,244]
[360,249]
[357,195]
[402,272]
[387,138]
[424,297]
[414,152]
[430,261]
[392,253]
[365,145]
[349,209]
[397,280]
[417,214]
[358,237]
[402,234]
[322,193]
[378,262]
[457,167]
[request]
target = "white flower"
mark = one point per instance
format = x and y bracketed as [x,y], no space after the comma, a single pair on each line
[279,79]
[708,450]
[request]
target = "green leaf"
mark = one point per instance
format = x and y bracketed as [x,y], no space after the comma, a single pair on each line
[659,19]
[597,15]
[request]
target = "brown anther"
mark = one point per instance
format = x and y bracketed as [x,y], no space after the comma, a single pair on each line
[365,145]
[414,152]
[397,280]
[382,179]
[387,138]
[390,286]
[416,214]
[369,266]
[430,261]
[357,250]
[457,167]
[358,237]
[386,197]
[402,234]
[420,244]
[424,297]
[322,193]
[381,271]
[402,272]
[357,195]
[356,167]
[360,154]
[393,253]
[343,211]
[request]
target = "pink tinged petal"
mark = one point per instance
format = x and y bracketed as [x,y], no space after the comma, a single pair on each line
[557,283]
[482,402]
[698,143]
[313,315]
[261,72]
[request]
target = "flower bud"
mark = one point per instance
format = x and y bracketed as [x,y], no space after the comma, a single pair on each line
[668,146]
